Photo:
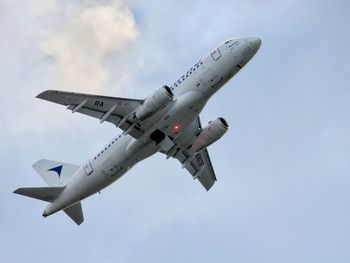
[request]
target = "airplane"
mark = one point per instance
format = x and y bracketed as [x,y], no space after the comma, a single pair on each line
[167,121]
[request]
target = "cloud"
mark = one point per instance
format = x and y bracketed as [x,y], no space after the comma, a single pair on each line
[59,45]
[88,36]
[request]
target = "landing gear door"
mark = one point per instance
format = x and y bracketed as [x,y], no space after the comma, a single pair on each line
[88,168]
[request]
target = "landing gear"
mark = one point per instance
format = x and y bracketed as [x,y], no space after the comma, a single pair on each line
[157,136]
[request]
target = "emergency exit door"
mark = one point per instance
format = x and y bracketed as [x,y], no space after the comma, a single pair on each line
[88,168]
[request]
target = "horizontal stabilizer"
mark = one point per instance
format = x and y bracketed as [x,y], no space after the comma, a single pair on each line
[48,194]
[75,212]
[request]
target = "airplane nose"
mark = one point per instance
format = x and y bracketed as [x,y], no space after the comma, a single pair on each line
[255,42]
[243,49]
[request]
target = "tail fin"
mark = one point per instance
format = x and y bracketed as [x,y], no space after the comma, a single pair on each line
[48,194]
[55,173]
[75,212]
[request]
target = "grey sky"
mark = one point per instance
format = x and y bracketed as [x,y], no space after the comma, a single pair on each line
[283,168]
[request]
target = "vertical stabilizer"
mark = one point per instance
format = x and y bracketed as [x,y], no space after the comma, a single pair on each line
[55,173]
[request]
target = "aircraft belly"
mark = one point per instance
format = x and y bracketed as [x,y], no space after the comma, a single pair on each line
[185,110]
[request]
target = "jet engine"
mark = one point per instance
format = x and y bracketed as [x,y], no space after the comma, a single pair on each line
[152,103]
[210,134]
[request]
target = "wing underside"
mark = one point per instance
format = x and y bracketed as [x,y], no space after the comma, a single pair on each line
[200,167]
[197,164]
[104,108]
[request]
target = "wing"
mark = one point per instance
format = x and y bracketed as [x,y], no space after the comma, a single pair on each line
[104,108]
[199,167]
[197,164]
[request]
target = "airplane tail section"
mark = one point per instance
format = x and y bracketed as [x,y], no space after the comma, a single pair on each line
[55,173]
[75,212]
[48,194]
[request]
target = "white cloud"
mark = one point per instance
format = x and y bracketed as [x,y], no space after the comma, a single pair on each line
[88,35]
[58,45]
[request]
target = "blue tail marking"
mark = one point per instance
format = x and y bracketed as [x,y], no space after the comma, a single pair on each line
[57,169]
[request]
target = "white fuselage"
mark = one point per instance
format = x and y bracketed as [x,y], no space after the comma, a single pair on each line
[191,92]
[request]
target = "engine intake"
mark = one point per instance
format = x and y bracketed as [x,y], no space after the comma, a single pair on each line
[152,103]
[210,134]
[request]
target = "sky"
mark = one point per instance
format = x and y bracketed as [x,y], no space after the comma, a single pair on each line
[283,168]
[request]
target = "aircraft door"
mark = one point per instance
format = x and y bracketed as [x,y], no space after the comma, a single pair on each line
[88,168]
[216,54]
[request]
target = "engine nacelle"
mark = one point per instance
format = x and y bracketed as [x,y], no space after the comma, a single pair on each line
[210,134]
[152,103]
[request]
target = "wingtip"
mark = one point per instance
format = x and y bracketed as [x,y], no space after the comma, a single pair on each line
[41,95]
[79,222]
[18,191]
[44,94]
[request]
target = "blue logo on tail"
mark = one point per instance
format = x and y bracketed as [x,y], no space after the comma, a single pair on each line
[57,169]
